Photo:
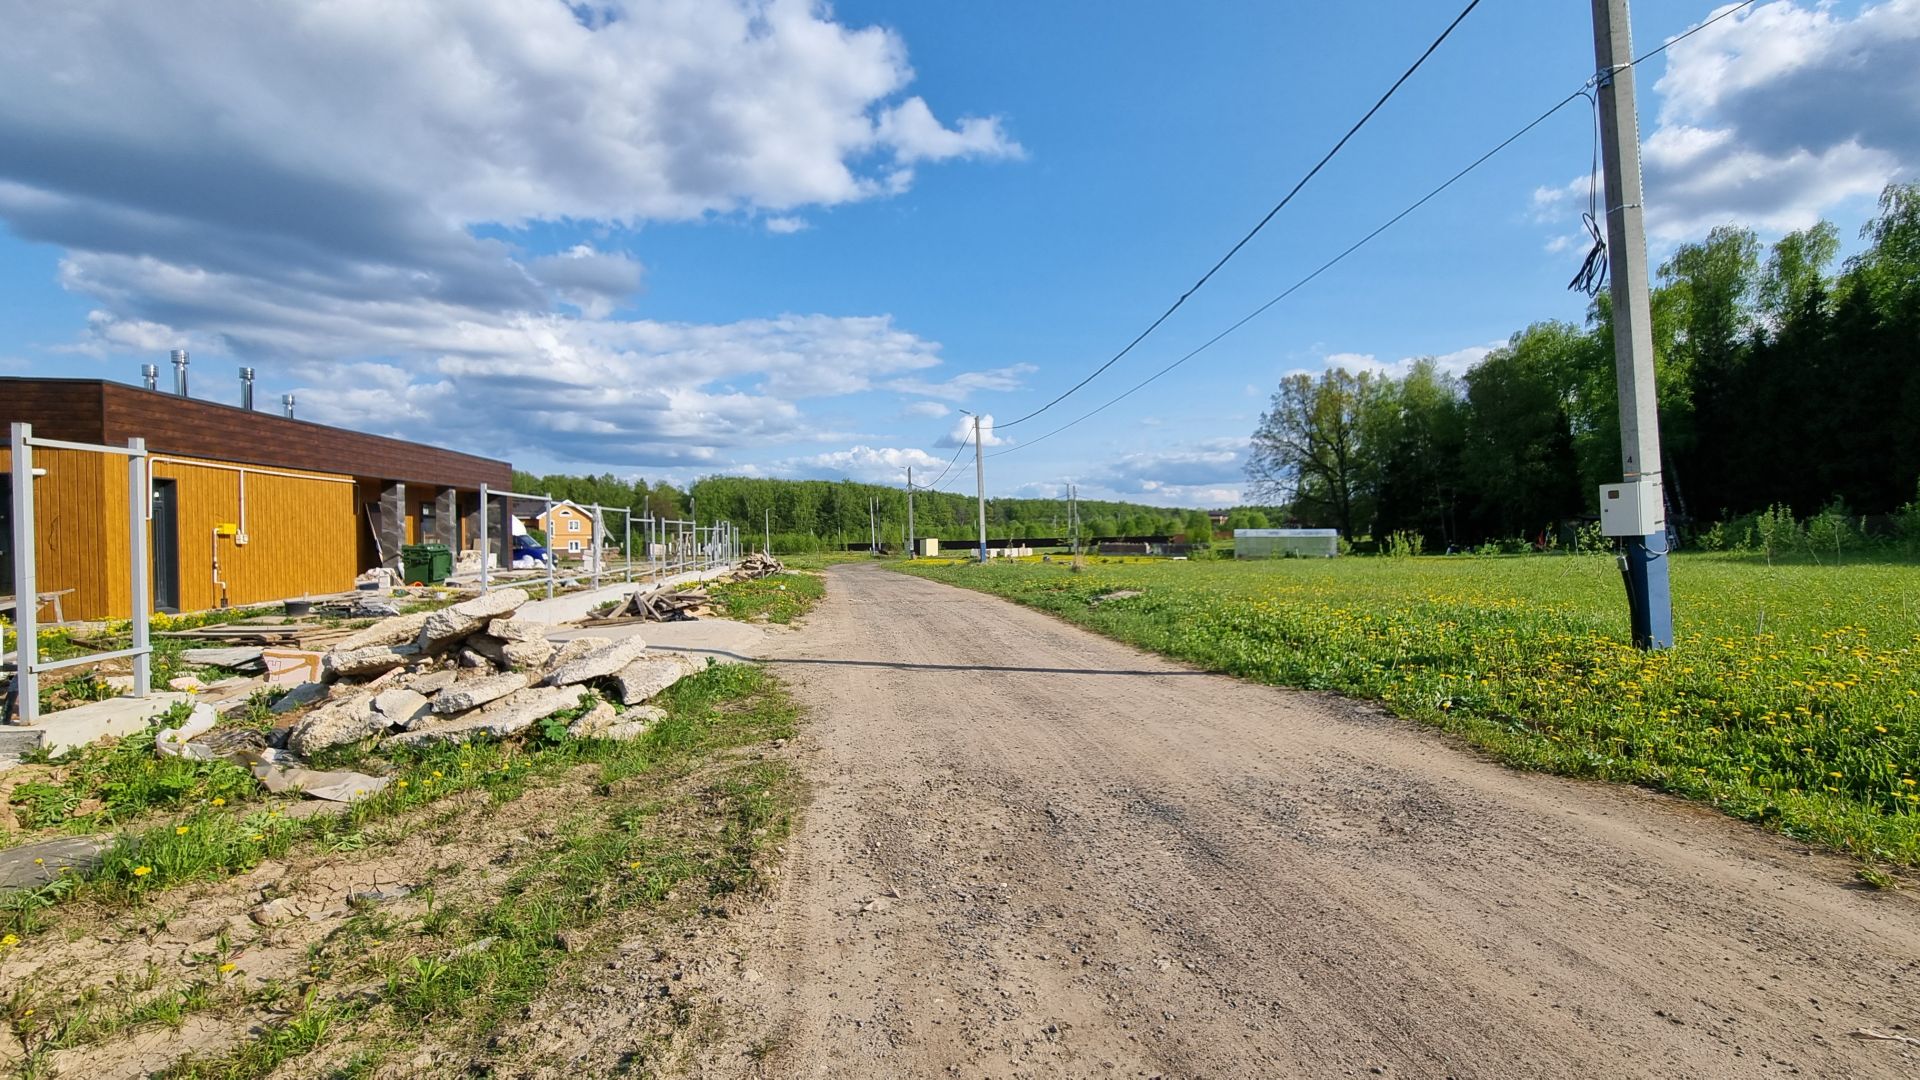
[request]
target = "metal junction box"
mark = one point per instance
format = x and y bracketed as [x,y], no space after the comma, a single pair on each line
[1635,508]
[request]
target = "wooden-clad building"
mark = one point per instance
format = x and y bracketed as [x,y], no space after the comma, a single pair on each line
[246,506]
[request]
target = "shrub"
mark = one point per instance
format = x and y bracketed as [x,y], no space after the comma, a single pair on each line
[1405,544]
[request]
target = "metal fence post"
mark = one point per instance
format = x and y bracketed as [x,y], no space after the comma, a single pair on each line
[552,558]
[599,530]
[26,609]
[486,544]
[627,549]
[137,547]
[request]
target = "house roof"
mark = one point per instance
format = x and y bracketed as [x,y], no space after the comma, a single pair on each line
[110,413]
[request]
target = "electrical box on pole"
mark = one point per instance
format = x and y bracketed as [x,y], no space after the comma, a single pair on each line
[1644,565]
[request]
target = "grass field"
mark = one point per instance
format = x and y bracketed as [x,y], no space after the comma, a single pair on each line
[1792,696]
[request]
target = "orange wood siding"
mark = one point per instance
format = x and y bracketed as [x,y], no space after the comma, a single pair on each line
[300,535]
[71,533]
[302,532]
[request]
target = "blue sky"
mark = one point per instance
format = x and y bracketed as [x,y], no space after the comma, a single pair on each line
[686,237]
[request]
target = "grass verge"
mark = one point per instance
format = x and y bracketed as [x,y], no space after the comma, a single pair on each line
[1792,697]
[776,598]
[663,826]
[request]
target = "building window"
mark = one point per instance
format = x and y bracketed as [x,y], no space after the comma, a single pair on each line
[573,525]
[573,545]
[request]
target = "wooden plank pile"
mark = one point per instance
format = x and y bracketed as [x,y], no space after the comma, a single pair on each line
[660,606]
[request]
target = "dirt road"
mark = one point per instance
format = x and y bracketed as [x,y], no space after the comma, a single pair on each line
[1035,852]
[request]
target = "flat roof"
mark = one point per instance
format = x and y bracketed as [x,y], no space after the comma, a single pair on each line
[102,411]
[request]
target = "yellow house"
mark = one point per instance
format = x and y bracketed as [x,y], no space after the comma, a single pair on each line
[571,530]
[243,507]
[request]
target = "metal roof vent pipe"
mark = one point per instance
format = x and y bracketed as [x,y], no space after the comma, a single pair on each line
[286,405]
[246,388]
[180,372]
[150,374]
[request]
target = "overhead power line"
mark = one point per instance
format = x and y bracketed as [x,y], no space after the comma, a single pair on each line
[964,443]
[1363,241]
[1235,249]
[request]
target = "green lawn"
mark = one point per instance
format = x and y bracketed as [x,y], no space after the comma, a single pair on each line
[1792,696]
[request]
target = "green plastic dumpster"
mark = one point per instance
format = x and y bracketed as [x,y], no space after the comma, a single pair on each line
[426,564]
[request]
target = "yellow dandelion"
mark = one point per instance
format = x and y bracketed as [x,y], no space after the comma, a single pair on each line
[142,871]
[218,801]
[227,968]
[180,830]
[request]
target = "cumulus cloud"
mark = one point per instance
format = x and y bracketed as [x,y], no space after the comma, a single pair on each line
[967,383]
[927,408]
[1450,363]
[1775,115]
[1202,473]
[785,225]
[874,464]
[353,195]
[962,433]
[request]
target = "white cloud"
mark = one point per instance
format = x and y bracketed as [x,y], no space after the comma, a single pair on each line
[345,195]
[784,226]
[932,409]
[595,282]
[1451,363]
[874,464]
[967,383]
[1203,473]
[962,433]
[1773,117]
[915,135]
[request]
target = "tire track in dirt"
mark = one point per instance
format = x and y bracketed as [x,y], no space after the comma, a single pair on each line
[1036,852]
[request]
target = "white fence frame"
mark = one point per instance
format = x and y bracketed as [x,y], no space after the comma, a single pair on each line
[28,667]
[673,545]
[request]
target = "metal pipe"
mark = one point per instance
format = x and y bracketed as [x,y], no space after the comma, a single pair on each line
[180,372]
[246,388]
[286,406]
[150,374]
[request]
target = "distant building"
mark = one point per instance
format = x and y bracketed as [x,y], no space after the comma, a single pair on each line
[571,530]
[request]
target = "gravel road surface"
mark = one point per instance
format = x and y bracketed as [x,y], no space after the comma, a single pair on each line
[1036,852]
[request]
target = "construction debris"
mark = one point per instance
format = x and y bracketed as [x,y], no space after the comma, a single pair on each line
[472,671]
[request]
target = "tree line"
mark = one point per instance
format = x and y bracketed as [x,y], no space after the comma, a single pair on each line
[1782,383]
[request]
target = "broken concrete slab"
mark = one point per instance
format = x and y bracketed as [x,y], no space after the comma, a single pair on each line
[299,697]
[339,786]
[599,718]
[237,658]
[373,660]
[30,866]
[473,693]
[518,655]
[651,674]
[517,630]
[83,724]
[432,682]
[598,663]
[396,631]
[471,659]
[336,724]
[508,716]
[605,722]
[402,707]
[448,625]
[577,648]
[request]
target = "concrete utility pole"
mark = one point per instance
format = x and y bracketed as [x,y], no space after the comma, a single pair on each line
[980,485]
[768,521]
[873,527]
[911,550]
[1646,555]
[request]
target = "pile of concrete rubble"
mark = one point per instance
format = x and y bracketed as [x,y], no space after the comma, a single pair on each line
[473,670]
